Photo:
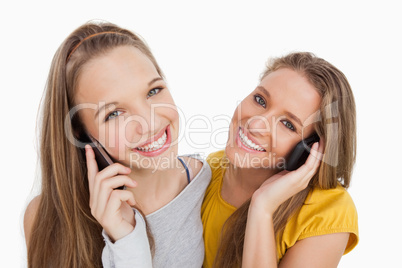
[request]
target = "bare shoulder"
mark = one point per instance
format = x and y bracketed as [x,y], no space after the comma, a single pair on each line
[29,216]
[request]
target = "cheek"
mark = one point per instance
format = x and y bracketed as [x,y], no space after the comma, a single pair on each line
[233,123]
[165,107]
[168,109]
[242,113]
[245,110]
[172,114]
[119,150]
[112,136]
[283,147]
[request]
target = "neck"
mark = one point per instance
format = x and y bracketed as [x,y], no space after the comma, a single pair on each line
[157,186]
[246,180]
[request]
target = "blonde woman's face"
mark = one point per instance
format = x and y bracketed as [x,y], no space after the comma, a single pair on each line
[269,122]
[132,113]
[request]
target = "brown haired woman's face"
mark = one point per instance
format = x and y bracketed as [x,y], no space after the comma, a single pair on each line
[269,122]
[132,114]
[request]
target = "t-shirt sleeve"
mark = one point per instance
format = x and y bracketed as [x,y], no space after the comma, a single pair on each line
[327,212]
[130,251]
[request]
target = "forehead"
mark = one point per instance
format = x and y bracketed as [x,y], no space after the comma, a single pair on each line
[122,68]
[291,91]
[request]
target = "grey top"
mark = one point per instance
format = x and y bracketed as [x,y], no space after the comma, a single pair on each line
[176,228]
[118,254]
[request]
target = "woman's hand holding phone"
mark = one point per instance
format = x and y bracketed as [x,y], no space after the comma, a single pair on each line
[259,241]
[283,185]
[112,208]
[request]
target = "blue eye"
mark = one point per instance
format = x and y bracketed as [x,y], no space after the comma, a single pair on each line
[113,115]
[288,125]
[153,92]
[260,100]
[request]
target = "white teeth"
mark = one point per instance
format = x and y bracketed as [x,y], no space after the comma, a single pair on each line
[248,143]
[154,145]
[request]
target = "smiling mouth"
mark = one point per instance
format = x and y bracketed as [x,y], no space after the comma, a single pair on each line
[248,143]
[156,145]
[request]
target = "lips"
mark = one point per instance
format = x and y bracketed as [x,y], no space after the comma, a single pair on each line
[155,145]
[247,143]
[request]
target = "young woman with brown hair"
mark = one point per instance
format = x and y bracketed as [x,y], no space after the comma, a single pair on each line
[270,217]
[104,82]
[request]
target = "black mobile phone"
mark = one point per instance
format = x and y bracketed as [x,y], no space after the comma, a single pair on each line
[300,153]
[102,157]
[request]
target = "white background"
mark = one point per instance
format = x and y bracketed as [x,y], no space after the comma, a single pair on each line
[212,53]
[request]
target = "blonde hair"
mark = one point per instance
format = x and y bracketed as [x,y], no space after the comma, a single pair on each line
[64,232]
[336,124]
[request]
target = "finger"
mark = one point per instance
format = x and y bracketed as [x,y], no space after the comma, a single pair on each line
[313,162]
[309,168]
[117,181]
[113,170]
[92,166]
[317,154]
[131,201]
[108,172]
[106,189]
[117,197]
[114,222]
[313,157]
[319,150]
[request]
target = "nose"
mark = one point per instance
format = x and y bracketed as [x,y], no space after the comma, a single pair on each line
[143,122]
[259,125]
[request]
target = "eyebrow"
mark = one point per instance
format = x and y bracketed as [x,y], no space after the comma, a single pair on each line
[295,118]
[104,107]
[154,80]
[264,90]
[289,114]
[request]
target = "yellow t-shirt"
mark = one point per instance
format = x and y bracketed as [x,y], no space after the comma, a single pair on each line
[324,212]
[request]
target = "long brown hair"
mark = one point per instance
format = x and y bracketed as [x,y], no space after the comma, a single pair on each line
[336,124]
[64,232]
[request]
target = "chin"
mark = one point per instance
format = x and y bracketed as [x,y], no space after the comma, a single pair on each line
[242,159]
[238,158]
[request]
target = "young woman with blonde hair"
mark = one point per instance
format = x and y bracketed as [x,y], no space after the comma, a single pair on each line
[255,213]
[104,82]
